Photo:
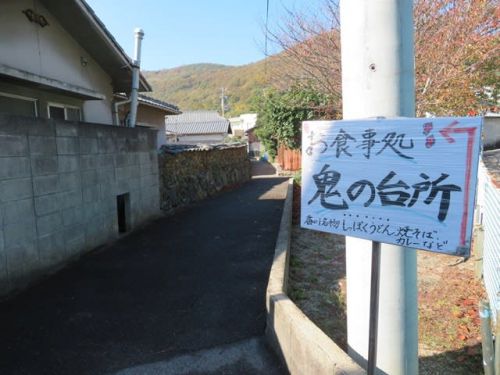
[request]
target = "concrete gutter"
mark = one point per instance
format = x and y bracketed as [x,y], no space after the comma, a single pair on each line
[301,345]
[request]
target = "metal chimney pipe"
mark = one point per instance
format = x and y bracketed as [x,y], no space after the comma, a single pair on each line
[136,68]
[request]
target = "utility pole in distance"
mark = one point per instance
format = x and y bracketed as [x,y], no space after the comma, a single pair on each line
[378,80]
[222,101]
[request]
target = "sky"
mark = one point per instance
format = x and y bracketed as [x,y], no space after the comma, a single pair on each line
[228,32]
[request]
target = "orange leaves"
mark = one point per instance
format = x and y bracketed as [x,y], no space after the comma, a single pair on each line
[454,42]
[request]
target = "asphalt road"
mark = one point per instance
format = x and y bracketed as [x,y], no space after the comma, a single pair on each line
[183,295]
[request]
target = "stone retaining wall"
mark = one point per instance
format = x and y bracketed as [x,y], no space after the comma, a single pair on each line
[59,183]
[189,173]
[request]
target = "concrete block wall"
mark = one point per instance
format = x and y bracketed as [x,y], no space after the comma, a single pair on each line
[59,183]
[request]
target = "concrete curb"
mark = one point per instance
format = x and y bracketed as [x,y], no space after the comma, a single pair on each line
[302,346]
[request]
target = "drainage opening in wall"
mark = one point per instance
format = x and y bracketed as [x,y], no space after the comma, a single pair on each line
[122,205]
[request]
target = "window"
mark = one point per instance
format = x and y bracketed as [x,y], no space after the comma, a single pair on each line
[56,112]
[72,114]
[18,105]
[64,112]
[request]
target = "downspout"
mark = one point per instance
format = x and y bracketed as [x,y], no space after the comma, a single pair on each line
[136,67]
[116,118]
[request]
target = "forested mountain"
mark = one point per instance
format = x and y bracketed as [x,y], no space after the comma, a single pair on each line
[458,78]
[198,86]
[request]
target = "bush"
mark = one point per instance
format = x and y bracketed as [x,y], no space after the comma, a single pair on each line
[280,115]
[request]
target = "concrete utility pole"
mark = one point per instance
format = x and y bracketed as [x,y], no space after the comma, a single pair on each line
[378,80]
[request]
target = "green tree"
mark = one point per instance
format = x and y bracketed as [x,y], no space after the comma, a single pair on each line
[280,114]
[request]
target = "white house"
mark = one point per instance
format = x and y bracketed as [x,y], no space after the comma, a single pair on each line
[243,123]
[69,181]
[58,60]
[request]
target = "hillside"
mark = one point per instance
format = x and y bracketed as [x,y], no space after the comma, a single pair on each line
[198,86]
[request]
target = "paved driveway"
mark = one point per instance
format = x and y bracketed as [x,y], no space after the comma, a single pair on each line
[184,295]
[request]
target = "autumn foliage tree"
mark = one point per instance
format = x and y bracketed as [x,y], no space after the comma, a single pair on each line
[311,51]
[456,54]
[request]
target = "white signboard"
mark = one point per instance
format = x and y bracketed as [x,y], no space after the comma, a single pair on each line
[407,181]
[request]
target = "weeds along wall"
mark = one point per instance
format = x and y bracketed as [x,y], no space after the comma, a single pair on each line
[190,173]
[66,188]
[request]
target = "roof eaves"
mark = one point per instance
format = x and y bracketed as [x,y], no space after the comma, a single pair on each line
[173,109]
[99,26]
[118,65]
[108,37]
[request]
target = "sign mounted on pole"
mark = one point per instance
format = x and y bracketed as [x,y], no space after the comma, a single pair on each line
[404,181]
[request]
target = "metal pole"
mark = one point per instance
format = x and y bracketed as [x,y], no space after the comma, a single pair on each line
[486,338]
[374,303]
[136,68]
[378,80]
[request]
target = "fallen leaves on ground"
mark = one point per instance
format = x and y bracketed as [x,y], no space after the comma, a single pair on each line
[449,294]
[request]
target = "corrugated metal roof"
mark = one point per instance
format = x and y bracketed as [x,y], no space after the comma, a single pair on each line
[179,148]
[197,122]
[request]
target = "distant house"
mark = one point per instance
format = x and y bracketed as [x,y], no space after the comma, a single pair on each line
[243,123]
[243,127]
[150,113]
[254,146]
[196,127]
[58,60]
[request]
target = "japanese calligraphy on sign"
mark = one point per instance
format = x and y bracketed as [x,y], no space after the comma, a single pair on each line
[407,181]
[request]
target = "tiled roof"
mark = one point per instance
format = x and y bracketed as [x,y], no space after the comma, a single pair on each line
[171,109]
[197,122]
[159,104]
[196,116]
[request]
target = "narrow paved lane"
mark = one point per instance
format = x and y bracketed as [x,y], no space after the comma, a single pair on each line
[183,295]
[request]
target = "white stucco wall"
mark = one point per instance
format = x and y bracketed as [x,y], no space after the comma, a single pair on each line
[244,122]
[149,117]
[161,137]
[51,52]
